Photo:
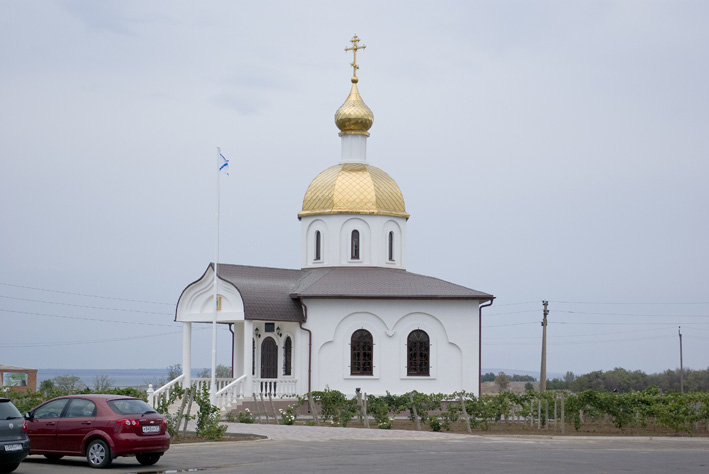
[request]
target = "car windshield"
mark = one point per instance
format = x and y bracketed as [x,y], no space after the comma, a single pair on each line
[8,410]
[130,407]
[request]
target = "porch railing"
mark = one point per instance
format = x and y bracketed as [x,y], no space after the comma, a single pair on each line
[164,391]
[229,391]
[228,397]
[201,383]
[275,387]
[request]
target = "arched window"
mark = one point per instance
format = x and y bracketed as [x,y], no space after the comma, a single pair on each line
[361,352]
[355,245]
[391,246]
[317,245]
[287,356]
[418,350]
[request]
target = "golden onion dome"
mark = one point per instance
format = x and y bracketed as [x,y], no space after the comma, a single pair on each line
[354,117]
[353,188]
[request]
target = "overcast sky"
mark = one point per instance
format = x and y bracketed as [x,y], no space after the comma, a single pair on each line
[546,150]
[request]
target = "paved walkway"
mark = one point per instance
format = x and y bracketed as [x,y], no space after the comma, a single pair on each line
[301,432]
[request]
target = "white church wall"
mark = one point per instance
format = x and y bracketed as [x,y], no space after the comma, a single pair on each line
[452,327]
[336,232]
[197,302]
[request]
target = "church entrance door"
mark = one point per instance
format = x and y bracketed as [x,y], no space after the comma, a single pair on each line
[269,359]
[269,365]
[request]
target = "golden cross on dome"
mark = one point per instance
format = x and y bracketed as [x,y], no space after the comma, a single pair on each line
[354,49]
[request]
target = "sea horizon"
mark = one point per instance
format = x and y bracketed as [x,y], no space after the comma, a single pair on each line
[142,377]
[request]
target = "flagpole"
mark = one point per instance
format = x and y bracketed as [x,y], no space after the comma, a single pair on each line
[213,385]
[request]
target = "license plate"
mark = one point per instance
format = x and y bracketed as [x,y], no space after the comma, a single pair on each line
[13,447]
[151,429]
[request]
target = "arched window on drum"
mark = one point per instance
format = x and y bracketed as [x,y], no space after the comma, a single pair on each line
[354,250]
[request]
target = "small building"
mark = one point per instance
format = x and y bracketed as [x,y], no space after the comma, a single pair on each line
[352,317]
[18,379]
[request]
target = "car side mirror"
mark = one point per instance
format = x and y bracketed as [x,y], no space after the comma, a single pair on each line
[29,415]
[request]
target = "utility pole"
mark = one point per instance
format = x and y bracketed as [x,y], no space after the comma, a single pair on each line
[543,372]
[681,366]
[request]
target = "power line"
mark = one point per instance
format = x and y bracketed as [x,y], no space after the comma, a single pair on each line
[98,341]
[644,323]
[507,325]
[604,341]
[575,342]
[84,294]
[626,303]
[512,312]
[516,304]
[634,331]
[638,315]
[84,319]
[84,306]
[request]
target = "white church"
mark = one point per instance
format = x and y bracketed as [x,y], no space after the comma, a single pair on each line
[351,317]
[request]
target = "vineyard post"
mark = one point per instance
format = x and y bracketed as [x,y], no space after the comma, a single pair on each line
[273,408]
[191,392]
[258,410]
[466,417]
[413,412]
[364,410]
[539,414]
[546,414]
[562,413]
[313,410]
[358,394]
[265,409]
[555,413]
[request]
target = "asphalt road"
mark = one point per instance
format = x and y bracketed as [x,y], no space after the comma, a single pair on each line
[472,454]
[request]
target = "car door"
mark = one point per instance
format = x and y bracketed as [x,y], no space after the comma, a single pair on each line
[42,425]
[77,421]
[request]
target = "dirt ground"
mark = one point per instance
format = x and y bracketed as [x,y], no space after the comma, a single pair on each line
[587,429]
[501,428]
[192,438]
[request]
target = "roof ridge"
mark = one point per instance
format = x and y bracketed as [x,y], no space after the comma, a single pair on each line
[307,272]
[260,267]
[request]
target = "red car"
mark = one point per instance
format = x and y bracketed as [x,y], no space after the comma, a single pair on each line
[100,427]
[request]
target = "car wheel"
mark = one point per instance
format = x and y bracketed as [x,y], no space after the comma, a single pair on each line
[9,467]
[148,459]
[98,454]
[54,457]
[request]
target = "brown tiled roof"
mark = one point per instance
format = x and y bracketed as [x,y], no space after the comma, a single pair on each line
[273,293]
[382,283]
[265,291]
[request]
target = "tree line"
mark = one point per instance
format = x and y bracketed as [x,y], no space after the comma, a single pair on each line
[623,381]
[617,380]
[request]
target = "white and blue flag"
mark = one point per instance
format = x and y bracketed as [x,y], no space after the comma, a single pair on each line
[223,164]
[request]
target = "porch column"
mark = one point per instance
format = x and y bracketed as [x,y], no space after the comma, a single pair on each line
[239,350]
[187,353]
[247,358]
